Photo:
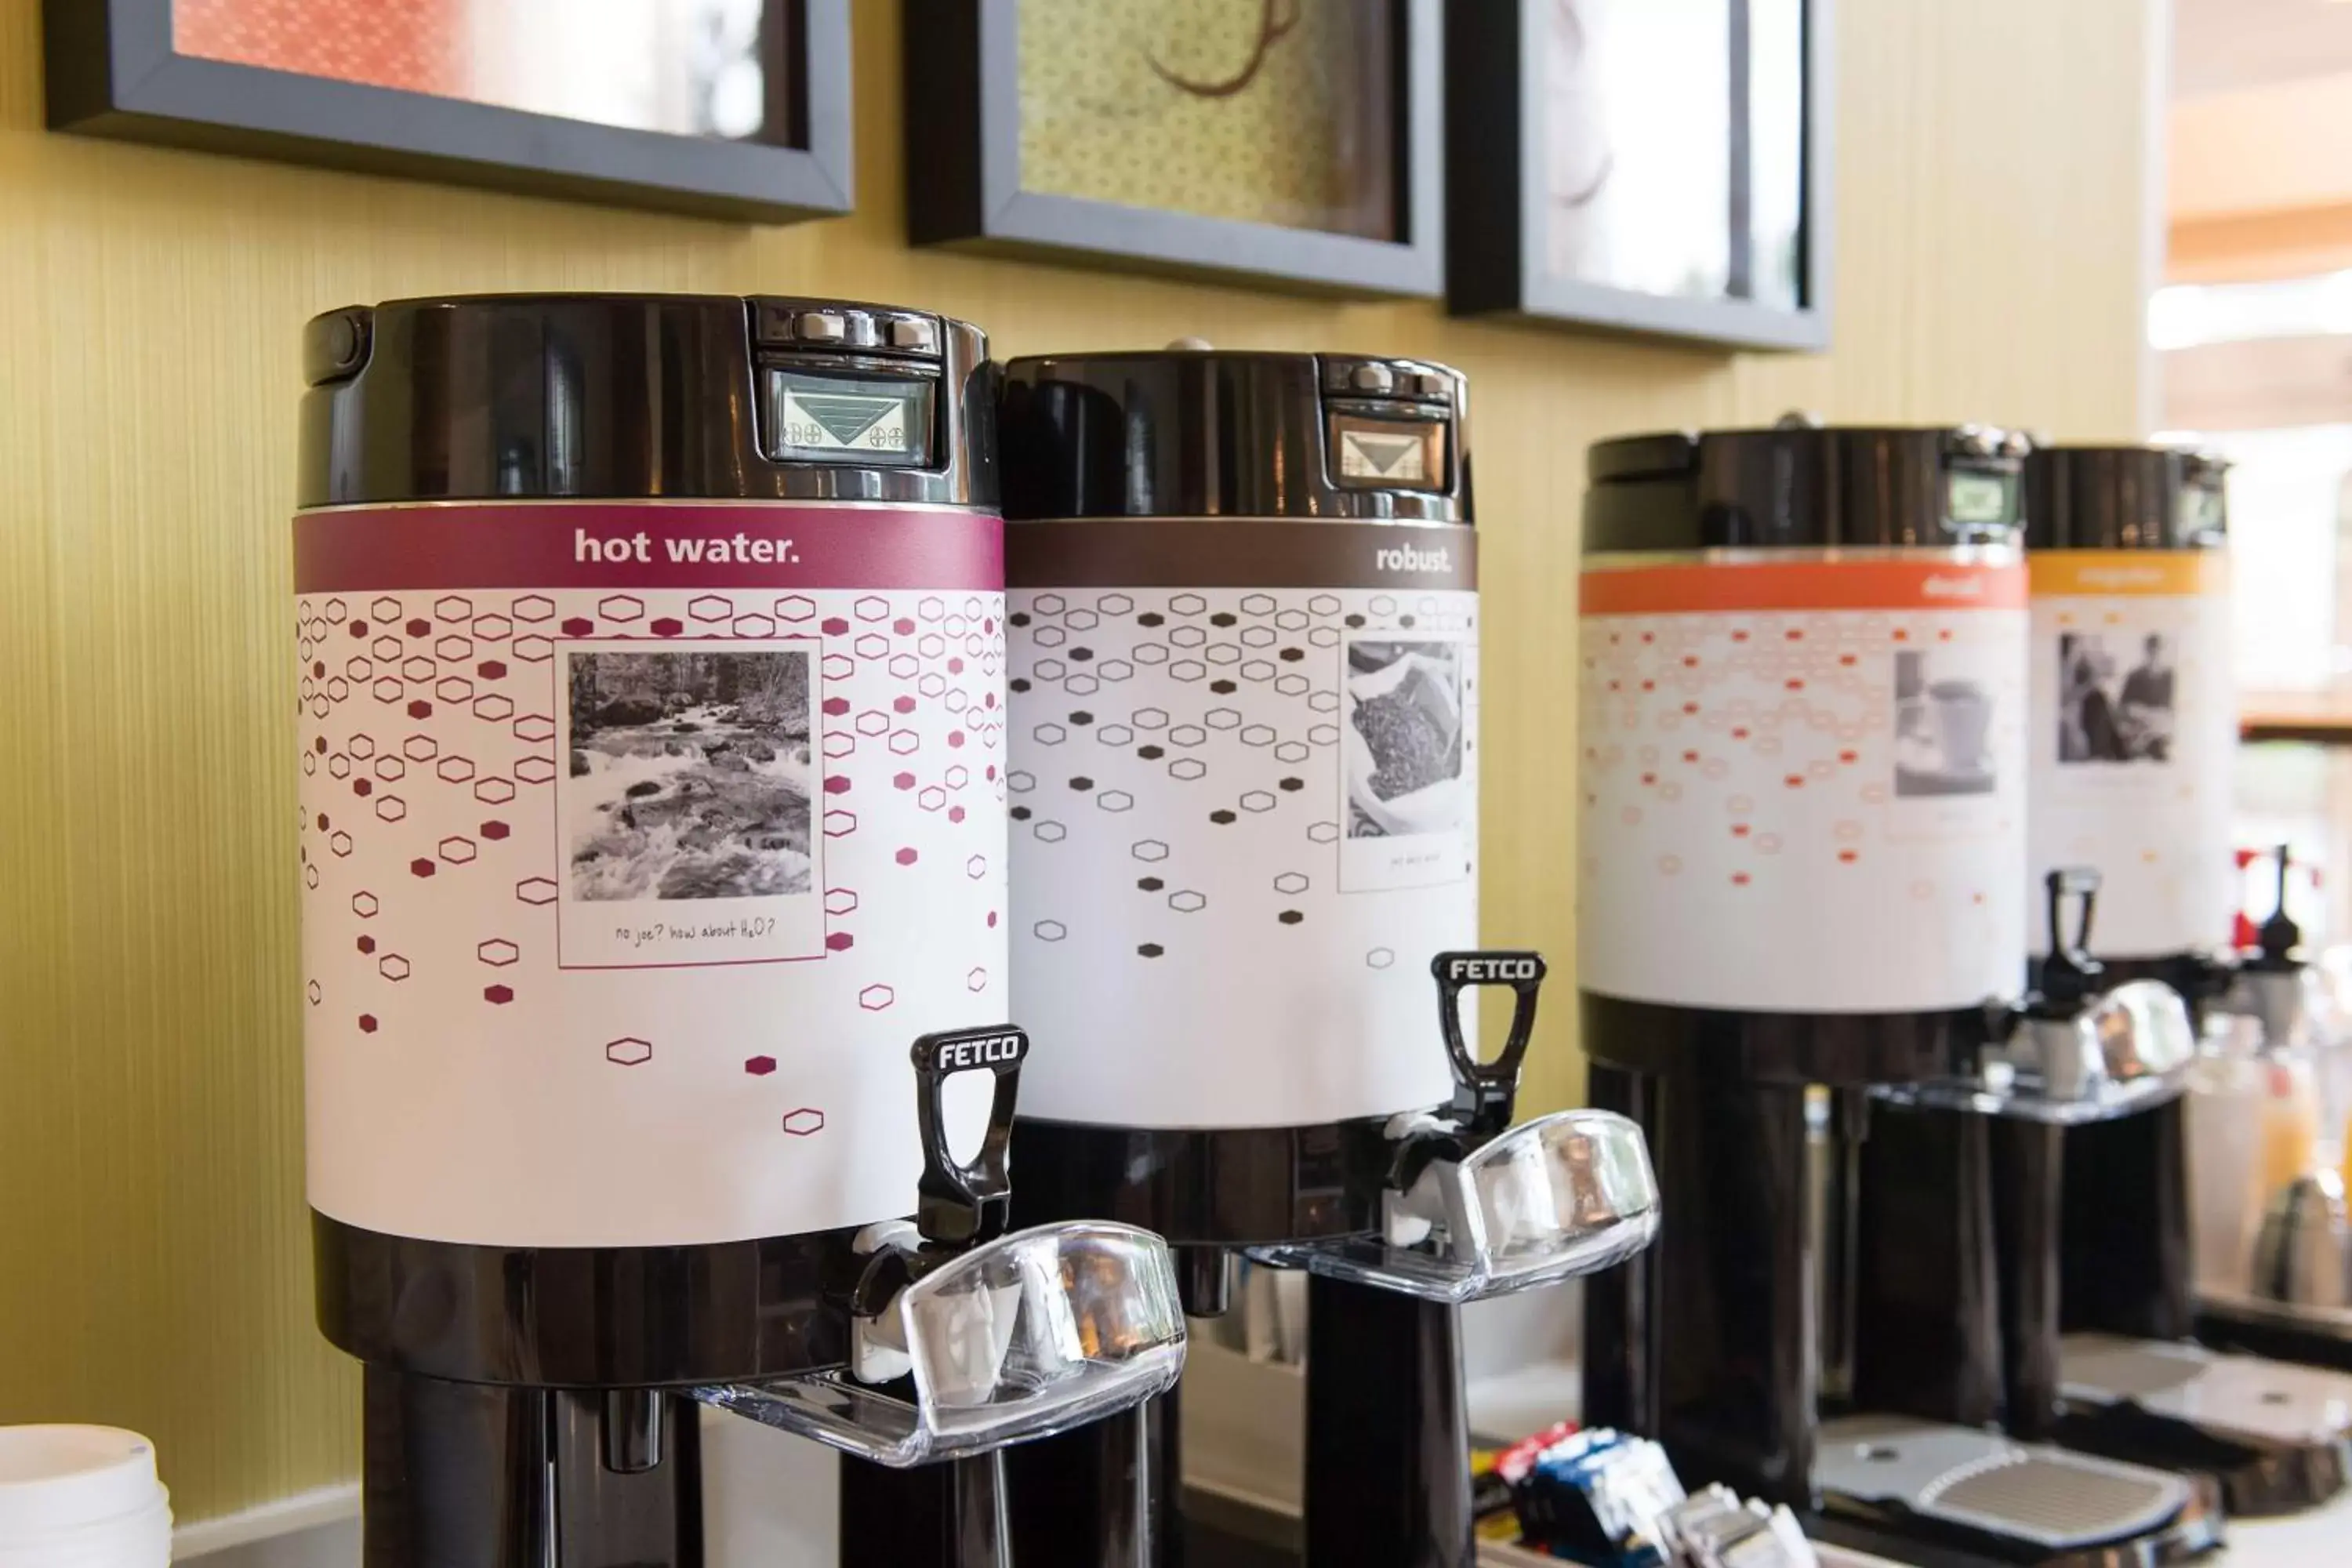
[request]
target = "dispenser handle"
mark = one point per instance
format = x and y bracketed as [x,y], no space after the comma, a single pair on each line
[2279,935]
[959,1203]
[2068,969]
[1484,1091]
[2079,882]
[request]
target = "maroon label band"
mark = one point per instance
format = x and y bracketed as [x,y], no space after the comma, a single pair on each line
[1238,553]
[617,545]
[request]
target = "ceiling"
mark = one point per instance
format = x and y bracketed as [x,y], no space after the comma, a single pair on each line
[2221,45]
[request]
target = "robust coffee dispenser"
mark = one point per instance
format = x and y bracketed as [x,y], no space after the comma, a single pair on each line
[1244,752]
[651,806]
[1801,871]
[2133,739]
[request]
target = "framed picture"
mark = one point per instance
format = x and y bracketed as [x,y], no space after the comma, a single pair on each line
[1656,167]
[731,108]
[1292,141]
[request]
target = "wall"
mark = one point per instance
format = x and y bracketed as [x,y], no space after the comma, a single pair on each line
[153,1245]
[2260,180]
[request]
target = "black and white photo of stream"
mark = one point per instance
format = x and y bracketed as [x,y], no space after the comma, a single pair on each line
[689,775]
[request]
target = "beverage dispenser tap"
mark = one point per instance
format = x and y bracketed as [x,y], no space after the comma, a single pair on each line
[2073,1052]
[964,1339]
[1475,1207]
[2272,982]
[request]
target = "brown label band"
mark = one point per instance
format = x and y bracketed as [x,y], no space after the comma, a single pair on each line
[1238,553]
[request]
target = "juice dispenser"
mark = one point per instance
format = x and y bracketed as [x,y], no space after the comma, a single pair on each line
[1801,867]
[1244,740]
[652,805]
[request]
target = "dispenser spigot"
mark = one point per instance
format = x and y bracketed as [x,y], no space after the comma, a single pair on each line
[1486,1092]
[965,1338]
[2278,937]
[1476,1206]
[2070,1051]
[2069,972]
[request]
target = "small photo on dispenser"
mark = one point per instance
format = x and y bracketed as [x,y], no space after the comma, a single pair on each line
[2115,698]
[688,775]
[1403,739]
[1943,728]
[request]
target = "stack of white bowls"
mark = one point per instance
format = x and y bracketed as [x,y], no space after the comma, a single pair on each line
[82,1496]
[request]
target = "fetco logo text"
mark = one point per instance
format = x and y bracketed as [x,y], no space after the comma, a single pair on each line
[985,1051]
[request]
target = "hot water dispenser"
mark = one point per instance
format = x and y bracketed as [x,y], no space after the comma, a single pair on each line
[652,806]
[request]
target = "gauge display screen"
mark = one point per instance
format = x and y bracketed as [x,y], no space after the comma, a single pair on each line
[848,419]
[2204,511]
[1982,498]
[1388,454]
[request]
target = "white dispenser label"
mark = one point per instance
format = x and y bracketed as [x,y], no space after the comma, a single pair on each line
[1245,819]
[2133,735]
[1802,782]
[631,872]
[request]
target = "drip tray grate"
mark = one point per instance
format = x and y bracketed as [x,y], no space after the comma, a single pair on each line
[2054,1499]
[1990,1483]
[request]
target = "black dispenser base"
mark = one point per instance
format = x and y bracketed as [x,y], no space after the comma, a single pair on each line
[948,1515]
[1388,1438]
[458,1474]
[1103,1495]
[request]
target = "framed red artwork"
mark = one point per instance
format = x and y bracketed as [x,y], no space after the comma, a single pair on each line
[734,108]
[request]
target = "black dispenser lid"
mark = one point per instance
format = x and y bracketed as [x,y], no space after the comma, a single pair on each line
[1797,485]
[2125,498]
[1197,432]
[625,396]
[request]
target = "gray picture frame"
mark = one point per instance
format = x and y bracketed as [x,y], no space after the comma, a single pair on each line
[112,71]
[963,173]
[1495,146]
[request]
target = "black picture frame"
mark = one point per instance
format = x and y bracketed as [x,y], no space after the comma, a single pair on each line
[112,71]
[1496,220]
[963,173]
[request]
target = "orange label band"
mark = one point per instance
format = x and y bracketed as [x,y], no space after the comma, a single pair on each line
[2115,572]
[1872,585]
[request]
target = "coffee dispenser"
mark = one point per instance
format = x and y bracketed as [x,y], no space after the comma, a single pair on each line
[1245,750]
[2133,739]
[652,804]
[1802,854]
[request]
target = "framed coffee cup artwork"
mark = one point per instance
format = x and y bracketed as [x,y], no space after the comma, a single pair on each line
[729,108]
[1650,166]
[1295,142]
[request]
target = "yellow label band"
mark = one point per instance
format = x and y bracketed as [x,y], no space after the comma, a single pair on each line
[2169,573]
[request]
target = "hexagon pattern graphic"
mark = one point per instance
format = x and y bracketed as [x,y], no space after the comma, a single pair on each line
[462,714]
[1779,726]
[1212,733]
